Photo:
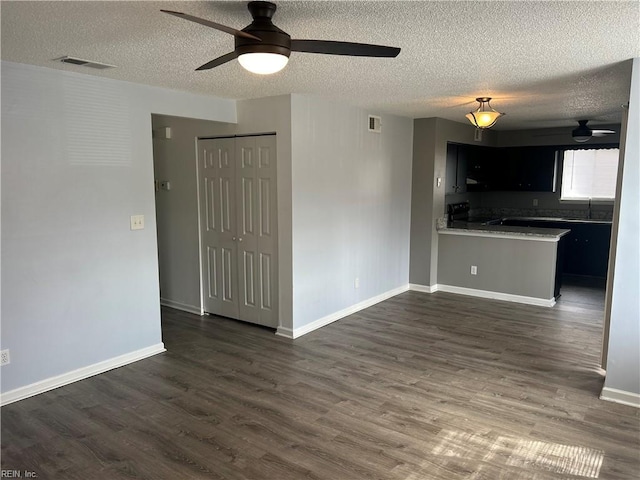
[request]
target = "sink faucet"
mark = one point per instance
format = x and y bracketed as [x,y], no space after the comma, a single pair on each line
[589,210]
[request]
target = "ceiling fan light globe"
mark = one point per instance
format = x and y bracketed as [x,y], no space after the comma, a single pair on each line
[581,138]
[263,63]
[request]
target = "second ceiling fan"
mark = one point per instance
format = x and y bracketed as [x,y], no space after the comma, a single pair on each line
[583,133]
[263,48]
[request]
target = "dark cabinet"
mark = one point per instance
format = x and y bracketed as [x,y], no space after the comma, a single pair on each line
[527,169]
[456,172]
[587,250]
[586,246]
[483,168]
[476,168]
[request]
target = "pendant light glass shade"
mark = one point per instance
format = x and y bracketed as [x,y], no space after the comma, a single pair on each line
[484,116]
[263,63]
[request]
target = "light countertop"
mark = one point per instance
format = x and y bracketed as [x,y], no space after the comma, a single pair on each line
[505,231]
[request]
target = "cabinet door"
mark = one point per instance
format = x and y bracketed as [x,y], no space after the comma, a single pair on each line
[597,243]
[456,169]
[461,168]
[575,251]
[482,164]
[528,169]
[451,169]
[538,169]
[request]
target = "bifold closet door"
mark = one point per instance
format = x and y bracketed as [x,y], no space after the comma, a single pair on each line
[238,227]
[217,172]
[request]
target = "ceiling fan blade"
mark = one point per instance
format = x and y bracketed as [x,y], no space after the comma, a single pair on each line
[343,48]
[218,61]
[601,133]
[208,23]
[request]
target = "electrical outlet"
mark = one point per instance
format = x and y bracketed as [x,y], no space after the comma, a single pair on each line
[474,270]
[356,283]
[4,357]
[137,222]
[535,202]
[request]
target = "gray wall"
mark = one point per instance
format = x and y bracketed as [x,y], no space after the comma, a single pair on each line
[79,287]
[351,204]
[177,209]
[174,159]
[623,363]
[273,114]
[427,200]
[515,267]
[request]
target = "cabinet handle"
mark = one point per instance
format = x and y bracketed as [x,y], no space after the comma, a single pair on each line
[233,238]
[240,239]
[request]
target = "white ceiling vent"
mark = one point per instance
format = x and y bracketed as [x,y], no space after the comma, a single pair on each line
[85,63]
[375,124]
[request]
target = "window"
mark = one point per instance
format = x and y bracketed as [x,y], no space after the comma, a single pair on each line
[589,174]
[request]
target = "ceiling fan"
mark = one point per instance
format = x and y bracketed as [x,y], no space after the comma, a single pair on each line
[583,133]
[263,48]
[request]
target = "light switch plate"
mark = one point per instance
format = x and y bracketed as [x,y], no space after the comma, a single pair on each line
[137,222]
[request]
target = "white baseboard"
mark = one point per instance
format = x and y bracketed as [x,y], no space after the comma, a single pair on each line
[507,297]
[79,374]
[415,287]
[620,396]
[284,332]
[321,322]
[181,306]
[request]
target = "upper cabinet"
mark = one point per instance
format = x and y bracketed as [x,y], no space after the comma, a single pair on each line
[484,168]
[456,173]
[480,169]
[528,169]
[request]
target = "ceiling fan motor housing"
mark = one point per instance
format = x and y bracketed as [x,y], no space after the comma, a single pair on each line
[582,133]
[273,39]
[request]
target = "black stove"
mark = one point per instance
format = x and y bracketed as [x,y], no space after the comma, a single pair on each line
[458,213]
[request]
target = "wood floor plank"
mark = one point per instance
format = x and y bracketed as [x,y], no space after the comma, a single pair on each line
[421,386]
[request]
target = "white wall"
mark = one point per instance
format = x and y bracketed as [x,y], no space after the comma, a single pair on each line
[623,364]
[78,286]
[351,207]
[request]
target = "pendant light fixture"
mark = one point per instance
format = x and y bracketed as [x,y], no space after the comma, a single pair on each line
[485,116]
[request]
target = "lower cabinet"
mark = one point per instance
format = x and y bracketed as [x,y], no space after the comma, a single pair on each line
[587,250]
[586,247]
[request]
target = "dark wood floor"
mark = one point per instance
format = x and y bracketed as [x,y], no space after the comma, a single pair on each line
[418,387]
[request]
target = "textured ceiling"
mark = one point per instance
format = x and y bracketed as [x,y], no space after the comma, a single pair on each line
[545,64]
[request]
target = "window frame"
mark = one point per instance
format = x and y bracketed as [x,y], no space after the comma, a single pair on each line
[560,163]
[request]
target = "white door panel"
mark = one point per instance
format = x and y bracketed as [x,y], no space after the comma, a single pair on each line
[217,177]
[238,215]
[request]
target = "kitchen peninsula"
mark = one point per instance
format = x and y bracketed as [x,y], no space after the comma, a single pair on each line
[512,263]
